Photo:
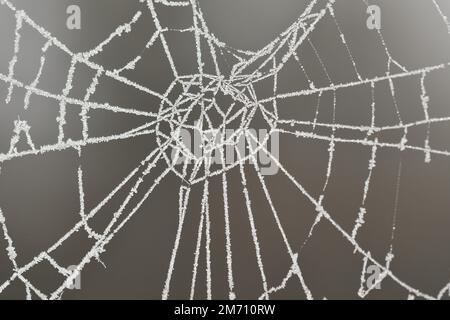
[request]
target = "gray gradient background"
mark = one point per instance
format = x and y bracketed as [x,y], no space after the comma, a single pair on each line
[39,197]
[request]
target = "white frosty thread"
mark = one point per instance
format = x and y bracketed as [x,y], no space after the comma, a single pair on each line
[246,70]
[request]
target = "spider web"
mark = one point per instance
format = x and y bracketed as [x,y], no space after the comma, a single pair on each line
[191,103]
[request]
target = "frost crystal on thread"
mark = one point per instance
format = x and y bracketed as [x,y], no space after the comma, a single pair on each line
[236,79]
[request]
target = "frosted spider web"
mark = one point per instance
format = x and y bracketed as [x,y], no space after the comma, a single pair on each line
[234,73]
